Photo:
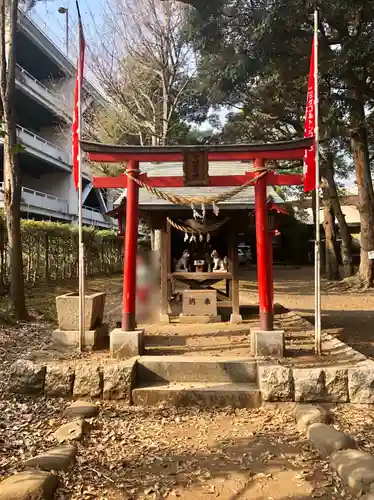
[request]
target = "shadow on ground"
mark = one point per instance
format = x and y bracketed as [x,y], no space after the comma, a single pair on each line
[176,457]
[353,327]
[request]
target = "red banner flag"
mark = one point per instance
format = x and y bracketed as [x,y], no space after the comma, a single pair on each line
[77,100]
[309,128]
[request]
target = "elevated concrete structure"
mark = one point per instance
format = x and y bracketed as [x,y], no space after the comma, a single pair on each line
[44,107]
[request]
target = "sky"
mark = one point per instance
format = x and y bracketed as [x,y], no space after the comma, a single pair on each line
[45,14]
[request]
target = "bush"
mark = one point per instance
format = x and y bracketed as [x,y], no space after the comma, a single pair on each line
[50,252]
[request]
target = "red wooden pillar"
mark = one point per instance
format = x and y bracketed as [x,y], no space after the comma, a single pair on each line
[271,276]
[130,250]
[263,253]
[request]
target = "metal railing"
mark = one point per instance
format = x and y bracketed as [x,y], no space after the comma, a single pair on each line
[39,138]
[92,209]
[95,216]
[58,204]
[43,195]
[38,82]
[34,199]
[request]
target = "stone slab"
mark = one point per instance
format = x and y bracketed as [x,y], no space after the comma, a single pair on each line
[195,369]
[26,377]
[83,409]
[327,440]
[31,485]
[336,384]
[97,338]
[126,344]
[119,378]
[309,384]
[355,468]
[88,381]
[68,310]
[59,380]
[72,431]
[361,383]
[307,414]
[275,382]
[59,458]
[199,319]
[198,394]
[199,303]
[267,343]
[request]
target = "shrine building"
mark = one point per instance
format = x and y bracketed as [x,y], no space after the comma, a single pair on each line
[196,200]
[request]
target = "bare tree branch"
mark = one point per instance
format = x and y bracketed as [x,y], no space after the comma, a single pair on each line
[143,65]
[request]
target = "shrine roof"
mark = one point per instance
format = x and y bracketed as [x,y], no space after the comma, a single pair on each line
[281,146]
[245,200]
[175,168]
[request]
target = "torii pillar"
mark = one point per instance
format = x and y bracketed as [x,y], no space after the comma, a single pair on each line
[265,341]
[127,341]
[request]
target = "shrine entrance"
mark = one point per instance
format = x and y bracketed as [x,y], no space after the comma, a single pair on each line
[205,209]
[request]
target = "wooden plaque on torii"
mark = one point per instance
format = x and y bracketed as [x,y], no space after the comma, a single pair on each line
[195,168]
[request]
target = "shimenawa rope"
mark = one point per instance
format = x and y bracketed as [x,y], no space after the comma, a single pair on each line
[189,230]
[191,201]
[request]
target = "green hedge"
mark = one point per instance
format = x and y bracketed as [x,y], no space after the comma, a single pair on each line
[50,251]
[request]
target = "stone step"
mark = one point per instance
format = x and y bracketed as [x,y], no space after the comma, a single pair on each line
[198,394]
[196,369]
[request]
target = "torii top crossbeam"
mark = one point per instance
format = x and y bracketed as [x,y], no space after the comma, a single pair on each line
[283,150]
[259,153]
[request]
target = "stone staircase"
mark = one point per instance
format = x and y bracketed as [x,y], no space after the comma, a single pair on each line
[196,381]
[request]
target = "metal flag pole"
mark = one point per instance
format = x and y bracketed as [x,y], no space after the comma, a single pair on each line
[80,193]
[317,245]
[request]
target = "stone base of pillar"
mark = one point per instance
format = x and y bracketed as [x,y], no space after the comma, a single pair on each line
[236,318]
[126,344]
[269,343]
[96,339]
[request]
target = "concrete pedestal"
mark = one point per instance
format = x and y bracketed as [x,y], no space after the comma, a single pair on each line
[236,318]
[97,338]
[126,344]
[68,311]
[267,343]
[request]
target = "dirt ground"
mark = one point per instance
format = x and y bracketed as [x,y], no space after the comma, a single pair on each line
[347,314]
[140,453]
[192,454]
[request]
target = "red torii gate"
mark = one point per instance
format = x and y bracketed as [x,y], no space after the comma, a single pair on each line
[259,153]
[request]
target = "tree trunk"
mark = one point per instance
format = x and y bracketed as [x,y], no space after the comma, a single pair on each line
[12,205]
[331,260]
[12,180]
[346,245]
[359,146]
